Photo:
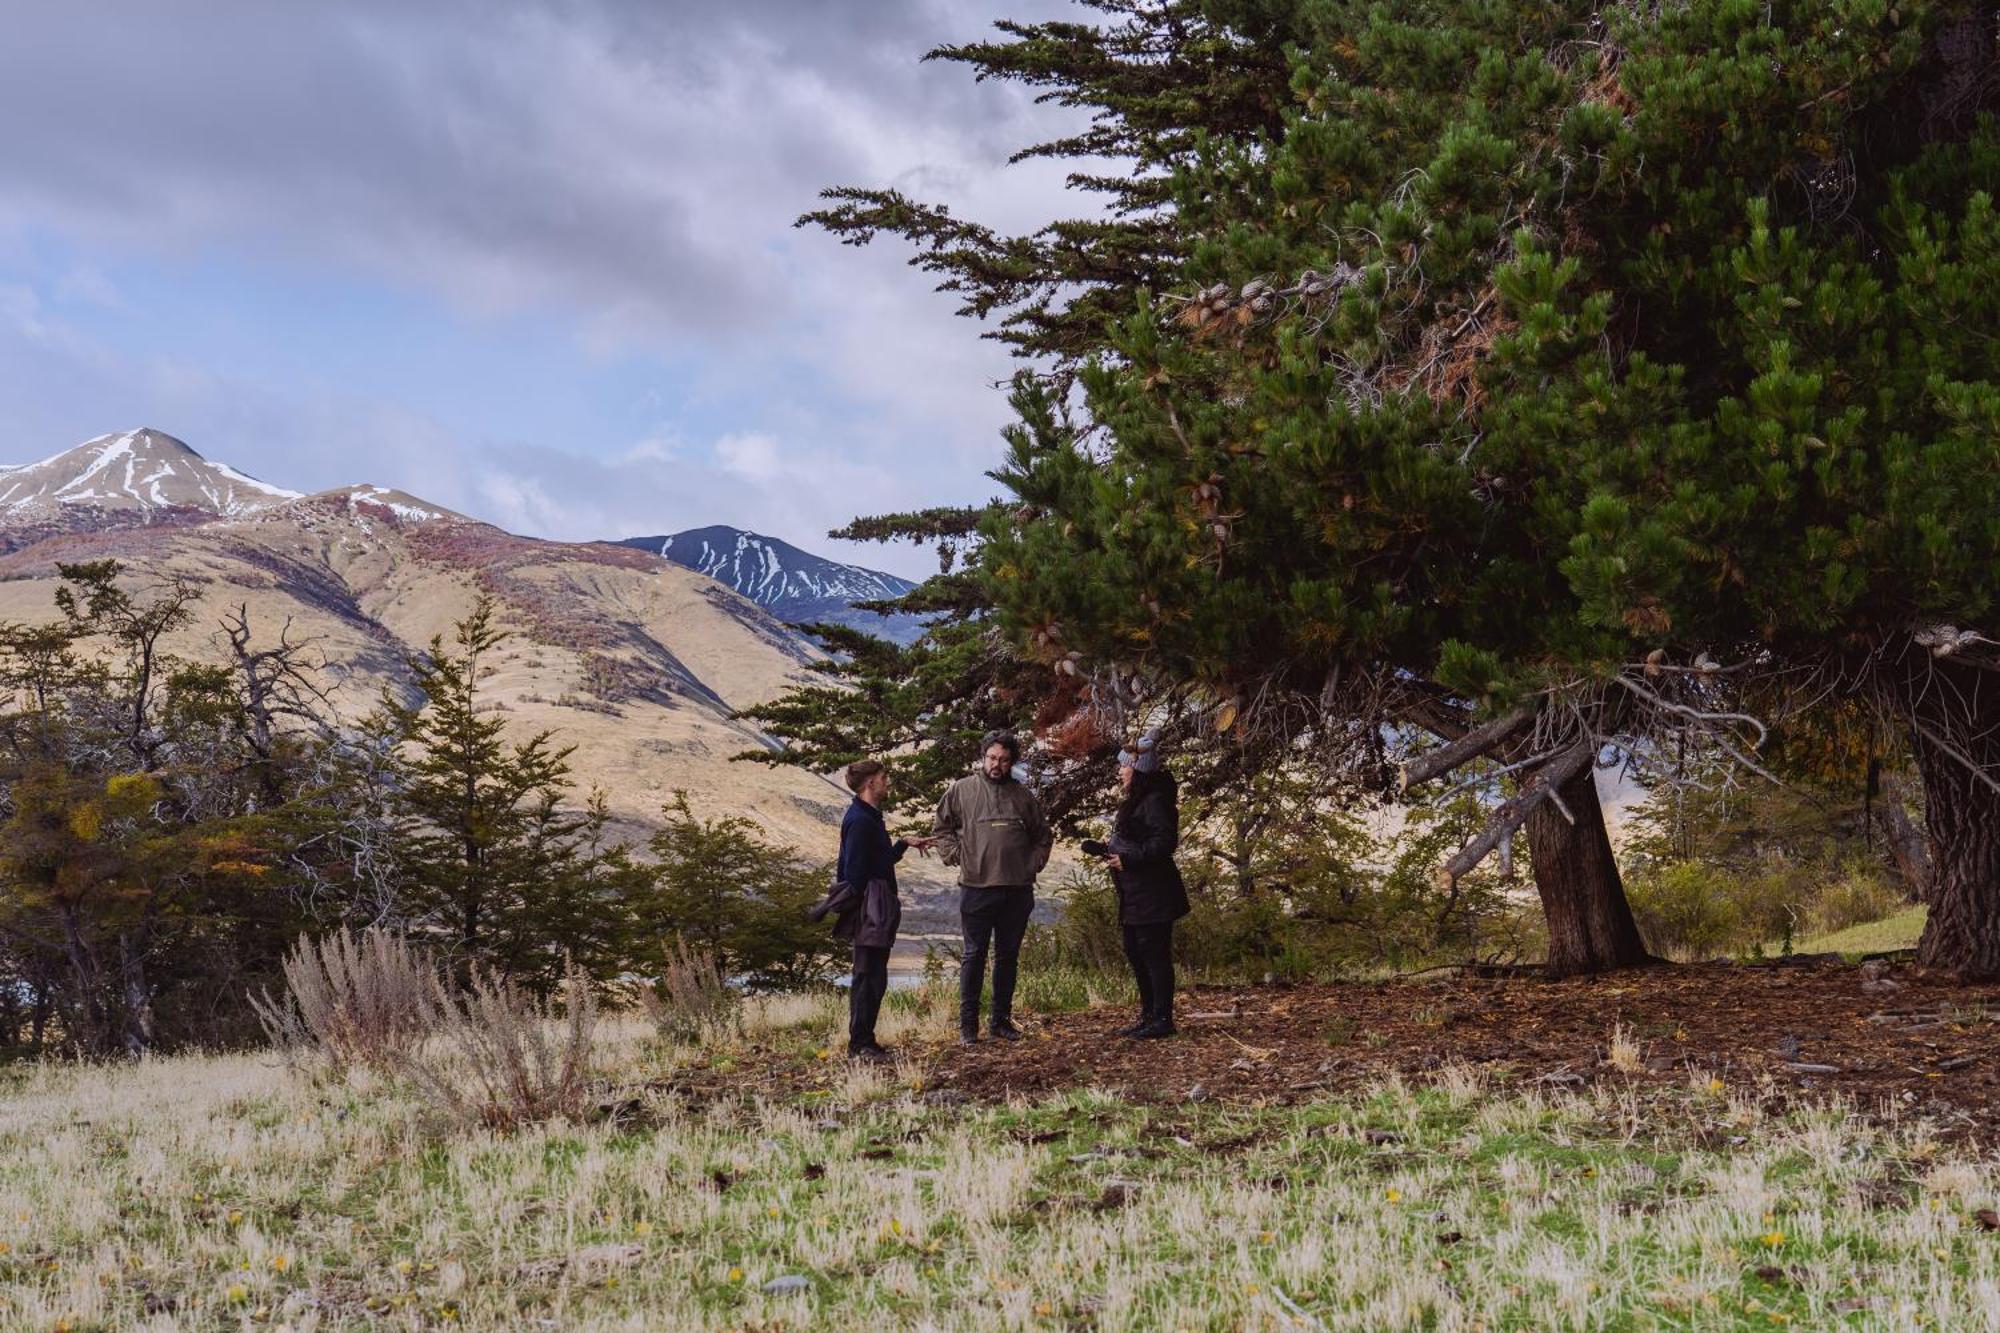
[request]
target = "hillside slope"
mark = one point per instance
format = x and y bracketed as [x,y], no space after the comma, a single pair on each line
[635,661]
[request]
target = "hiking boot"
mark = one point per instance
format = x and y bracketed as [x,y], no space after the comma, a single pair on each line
[1156,1030]
[1006,1031]
[872,1052]
[968,1036]
[1136,1028]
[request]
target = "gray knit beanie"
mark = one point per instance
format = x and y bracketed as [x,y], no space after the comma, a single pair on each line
[1143,755]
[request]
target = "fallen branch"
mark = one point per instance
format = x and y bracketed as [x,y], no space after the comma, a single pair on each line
[1292,1308]
[1255,1052]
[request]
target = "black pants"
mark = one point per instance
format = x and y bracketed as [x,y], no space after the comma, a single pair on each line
[864,997]
[1150,950]
[998,916]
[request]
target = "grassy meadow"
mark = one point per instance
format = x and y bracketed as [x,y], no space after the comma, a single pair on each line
[1899,930]
[226,1192]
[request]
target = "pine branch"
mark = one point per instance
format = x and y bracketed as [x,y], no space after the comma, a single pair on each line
[1511,815]
[1472,745]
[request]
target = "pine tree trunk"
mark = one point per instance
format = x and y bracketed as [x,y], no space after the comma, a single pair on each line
[1583,899]
[1962,816]
[39,1027]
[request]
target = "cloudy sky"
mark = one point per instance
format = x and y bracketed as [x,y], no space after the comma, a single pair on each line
[532,260]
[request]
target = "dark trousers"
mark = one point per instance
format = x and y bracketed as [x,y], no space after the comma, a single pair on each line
[1150,951]
[864,997]
[998,917]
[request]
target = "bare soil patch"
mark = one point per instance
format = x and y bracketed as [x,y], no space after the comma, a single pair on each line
[1892,1040]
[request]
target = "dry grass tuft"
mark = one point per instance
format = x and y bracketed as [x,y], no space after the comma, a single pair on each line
[692,1001]
[1624,1053]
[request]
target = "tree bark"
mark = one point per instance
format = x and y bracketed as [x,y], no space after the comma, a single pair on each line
[137,1019]
[1962,817]
[1583,898]
[1907,843]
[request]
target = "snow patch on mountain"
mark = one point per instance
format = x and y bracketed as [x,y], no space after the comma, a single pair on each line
[768,571]
[140,469]
[795,585]
[400,503]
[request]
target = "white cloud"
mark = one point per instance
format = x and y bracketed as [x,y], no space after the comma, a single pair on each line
[754,458]
[28,317]
[629,168]
[652,449]
[88,285]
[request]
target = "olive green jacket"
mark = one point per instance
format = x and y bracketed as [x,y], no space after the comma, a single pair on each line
[994,832]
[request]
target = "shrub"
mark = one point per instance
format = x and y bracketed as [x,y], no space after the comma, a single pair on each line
[727,889]
[502,1057]
[352,998]
[692,1001]
[1686,911]
[1086,933]
[1691,909]
[1860,893]
[1058,990]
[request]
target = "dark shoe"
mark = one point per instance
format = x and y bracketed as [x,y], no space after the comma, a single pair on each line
[968,1036]
[1135,1029]
[1156,1030]
[1006,1031]
[871,1052]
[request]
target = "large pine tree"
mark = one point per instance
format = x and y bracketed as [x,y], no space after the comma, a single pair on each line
[1605,368]
[1190,104]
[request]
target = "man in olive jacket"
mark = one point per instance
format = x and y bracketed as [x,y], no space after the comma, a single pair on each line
[993,829]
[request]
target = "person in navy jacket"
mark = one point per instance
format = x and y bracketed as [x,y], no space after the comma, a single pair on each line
[868,866]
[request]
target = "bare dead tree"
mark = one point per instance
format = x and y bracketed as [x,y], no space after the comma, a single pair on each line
[279,684]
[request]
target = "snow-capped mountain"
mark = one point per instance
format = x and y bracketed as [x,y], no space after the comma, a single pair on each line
[144,470]
[361,499]
[795,586]
[638,663]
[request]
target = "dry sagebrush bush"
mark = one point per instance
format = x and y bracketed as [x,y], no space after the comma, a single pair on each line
[352,998]
[692,1001]
[501,1057]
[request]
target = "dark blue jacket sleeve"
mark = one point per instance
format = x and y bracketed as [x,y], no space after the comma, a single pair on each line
[850,845]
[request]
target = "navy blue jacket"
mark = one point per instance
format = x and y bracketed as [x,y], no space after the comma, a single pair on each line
[867,869]
[865,850]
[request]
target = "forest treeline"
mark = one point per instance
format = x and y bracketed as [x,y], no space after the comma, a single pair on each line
[170,827]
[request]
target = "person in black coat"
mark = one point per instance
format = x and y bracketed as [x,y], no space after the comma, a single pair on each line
[1151,894]
[873,908]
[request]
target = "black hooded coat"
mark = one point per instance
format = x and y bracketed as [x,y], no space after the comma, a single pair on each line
[1144,834]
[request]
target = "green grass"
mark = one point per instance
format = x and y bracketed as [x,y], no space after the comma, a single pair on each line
[221,1192]
[1894,932]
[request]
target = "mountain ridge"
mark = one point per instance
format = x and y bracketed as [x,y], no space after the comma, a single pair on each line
[639,663]
[143,469]
[793,584]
